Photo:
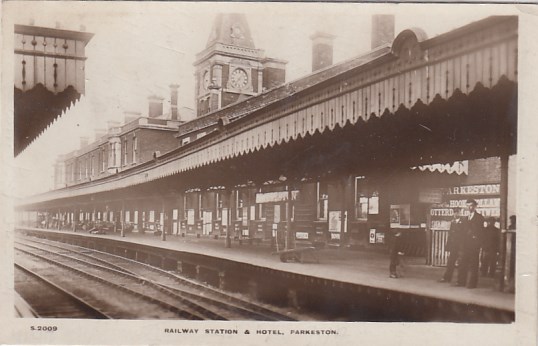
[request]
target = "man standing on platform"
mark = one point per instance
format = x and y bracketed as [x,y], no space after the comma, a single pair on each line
[454,244]
[490,249]
[474,233]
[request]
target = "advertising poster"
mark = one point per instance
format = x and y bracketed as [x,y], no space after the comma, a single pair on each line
[335,222]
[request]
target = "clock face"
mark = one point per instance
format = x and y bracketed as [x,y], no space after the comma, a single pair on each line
[239,78]
[206,80]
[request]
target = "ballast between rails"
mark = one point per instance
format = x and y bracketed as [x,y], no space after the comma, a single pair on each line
[86,307]
[168,307]
[227,301]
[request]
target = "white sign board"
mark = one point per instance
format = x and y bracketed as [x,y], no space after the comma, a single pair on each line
[335,223]
[190,217]
[301,235]
[372,236]
[275,197]
[277,214]
[225,216]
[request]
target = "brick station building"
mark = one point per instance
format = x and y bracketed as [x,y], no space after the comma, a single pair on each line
[388,140]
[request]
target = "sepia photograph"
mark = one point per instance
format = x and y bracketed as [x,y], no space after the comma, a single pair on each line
[198,170]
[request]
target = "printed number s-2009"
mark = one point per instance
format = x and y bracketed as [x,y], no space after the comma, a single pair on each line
[44,328]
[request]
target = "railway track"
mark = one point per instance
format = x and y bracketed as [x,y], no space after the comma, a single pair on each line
[204,301]
[115,295]
[49,300]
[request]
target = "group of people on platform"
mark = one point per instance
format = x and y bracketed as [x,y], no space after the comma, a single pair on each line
[473,243]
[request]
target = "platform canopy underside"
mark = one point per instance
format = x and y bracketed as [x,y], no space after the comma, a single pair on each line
[480,124]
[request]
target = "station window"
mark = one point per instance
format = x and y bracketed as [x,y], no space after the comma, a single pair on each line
[103,159]
[200,211]
[218,203]
[112,157]
[239,206]
[135,148]
[135,217]
[125,151]
[366,199]
[262,212]
[322,200]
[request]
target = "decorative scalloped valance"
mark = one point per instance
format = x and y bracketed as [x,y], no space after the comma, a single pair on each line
[48,77]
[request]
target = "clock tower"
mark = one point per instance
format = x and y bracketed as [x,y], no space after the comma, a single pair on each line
[231,68]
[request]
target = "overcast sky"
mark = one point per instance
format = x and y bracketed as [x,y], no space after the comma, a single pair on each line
[140,48]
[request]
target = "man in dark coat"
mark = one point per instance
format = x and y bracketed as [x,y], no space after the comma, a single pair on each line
[454,244]
[395,253]
[490,249]
[474,233]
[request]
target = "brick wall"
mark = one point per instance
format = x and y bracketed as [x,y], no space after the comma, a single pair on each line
[483,171]
[150,141]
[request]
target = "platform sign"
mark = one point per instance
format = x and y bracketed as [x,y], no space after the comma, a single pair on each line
[259,227]
[190,217]
[207,222]
[225,216]
[277,214]
[301,235]
[373,205]
[335,221]
[486,195]
[275,197]
[252,212]
[372,236]
[400,215]
[380,238]
[244,219]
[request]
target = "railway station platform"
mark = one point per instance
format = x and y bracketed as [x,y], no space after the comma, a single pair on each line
[365,268]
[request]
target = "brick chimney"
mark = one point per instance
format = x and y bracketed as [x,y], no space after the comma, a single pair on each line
[155,106]
[174,114]
[382,29]
[84,141]
[322,50]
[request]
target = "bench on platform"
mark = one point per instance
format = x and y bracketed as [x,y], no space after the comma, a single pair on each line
[298,254]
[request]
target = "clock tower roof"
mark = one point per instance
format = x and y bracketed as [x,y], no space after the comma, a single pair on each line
[231,29]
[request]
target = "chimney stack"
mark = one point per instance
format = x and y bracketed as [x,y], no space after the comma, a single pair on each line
[382,29]
[322,50]
[174,115]
[155,106]
[129,116]
[84,141]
